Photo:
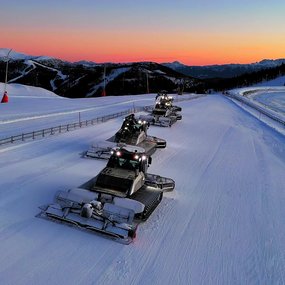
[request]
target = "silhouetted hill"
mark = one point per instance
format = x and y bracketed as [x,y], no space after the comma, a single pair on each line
[86,79]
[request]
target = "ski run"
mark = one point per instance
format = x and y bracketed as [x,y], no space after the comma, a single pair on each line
[223,223]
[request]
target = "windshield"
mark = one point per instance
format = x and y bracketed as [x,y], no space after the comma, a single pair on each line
[123,163]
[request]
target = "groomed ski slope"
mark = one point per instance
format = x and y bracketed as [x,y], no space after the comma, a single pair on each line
[223,224]
[33,108]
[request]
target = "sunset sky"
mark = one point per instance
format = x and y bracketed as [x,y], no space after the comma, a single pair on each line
[191,31]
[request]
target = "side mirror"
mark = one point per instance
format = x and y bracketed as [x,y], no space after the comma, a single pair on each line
[149,160]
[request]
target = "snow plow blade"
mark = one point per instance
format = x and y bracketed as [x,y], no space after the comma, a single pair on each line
[100,153]
[179,117]
[176,109]
[159,120]
[163,183]
[102,150]
[165,121]
[109,220]
[160,143]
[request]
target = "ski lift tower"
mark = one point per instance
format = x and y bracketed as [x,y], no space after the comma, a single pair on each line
[104,82]
[147,83]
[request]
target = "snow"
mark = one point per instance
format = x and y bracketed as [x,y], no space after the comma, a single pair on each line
[270,99]
[59,75]
[13,55]
[115,73]
[279,81]
[223,223]
[158,71]
[44,58]
[30,66]
[265,63]
[87,63]
[31,106]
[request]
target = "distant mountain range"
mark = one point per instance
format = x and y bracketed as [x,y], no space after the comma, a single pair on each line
[223,71]
[87,79]
[21,56]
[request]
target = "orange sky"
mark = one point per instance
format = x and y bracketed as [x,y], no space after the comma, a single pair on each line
[222,34]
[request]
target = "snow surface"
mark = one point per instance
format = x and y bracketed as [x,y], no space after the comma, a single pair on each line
[278,81]
[114,74]
[29,108]
[59,75]
[30,66]
[13,55]
[271,99]
[223,223]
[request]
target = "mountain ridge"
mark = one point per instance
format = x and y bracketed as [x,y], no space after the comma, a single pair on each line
[88,79]
[223,70]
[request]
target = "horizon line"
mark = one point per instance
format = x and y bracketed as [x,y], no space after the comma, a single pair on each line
[140,61]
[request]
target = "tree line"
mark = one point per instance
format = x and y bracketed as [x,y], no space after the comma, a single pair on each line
[246,79]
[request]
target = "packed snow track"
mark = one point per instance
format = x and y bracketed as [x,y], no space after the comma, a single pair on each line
[223,224]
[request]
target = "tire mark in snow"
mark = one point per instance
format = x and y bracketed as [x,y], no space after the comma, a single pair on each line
[181,227]
[124,268]
[265,261]
[209,217]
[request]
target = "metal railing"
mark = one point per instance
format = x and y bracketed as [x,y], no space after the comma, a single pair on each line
[73,126]
[66,128]
[260,109]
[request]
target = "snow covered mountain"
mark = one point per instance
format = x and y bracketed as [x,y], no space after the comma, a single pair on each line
[86,79]
[223,71]
[13,55]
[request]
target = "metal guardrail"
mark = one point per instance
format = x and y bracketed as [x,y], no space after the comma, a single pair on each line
[66,128]
[73,126]
[256,107]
